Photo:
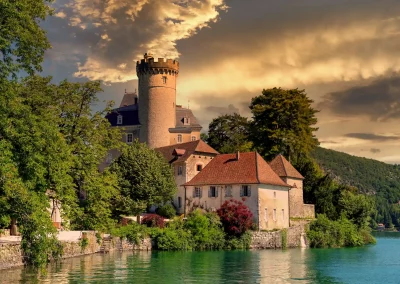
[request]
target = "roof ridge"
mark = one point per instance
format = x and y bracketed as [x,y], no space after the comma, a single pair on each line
[283,164]
[257,175]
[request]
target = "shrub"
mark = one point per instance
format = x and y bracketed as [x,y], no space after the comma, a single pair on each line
[167,211]
[206,230]
[242,242]
[153,220]
[236,217]
[133,232]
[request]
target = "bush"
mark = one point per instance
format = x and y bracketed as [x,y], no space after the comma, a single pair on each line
[133,232]
[168,211]
[153,220]
[236,217]
[173,237]
[242,242]
[325,233]
[206,230]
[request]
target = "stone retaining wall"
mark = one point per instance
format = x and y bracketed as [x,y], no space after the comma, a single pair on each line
[4,232]
[273,240]
[10,255]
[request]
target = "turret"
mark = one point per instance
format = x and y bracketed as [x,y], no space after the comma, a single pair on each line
[157,99]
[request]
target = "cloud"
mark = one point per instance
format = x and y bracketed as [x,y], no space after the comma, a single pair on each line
[231,109]
[372,137]
[126,29]
[379,100]
[375,150]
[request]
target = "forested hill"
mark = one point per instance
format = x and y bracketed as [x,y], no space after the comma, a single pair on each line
[369,176]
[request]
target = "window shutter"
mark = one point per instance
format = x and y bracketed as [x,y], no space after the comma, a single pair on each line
[201,192]
[209,192]
[194,192]
[241,191]
[216,191]
[249,191]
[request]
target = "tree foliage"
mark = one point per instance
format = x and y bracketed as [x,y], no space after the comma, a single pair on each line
[283,123]
[236,217]
[22,40]
[229,133]
[144,178]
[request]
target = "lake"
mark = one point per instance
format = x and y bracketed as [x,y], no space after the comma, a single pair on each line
[378,263]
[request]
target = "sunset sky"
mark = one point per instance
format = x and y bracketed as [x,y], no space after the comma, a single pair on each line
[345,53]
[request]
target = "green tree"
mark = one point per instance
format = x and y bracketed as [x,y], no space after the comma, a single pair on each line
[229,133]
[144,178]
[283,122]
[22,40]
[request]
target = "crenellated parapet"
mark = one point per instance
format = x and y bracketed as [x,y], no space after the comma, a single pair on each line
[149,66]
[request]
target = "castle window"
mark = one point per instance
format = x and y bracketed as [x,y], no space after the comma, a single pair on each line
[193,138]
[197,192]
[274,194]
[266,214]
[180,170]
[213,191]
[283,215]
[199,167]
[245,191]
[129,138]
[179,138]
[119,119]
[228,191]
[164,79]
[274,215]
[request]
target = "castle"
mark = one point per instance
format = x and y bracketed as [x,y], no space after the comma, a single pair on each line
[273,191]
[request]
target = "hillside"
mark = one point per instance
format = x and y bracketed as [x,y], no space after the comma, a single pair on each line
[369,176]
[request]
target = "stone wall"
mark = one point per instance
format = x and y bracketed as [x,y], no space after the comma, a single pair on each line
[124,245]
[4,232]
[10,255]
[309,211]
[75,248]
[273,240]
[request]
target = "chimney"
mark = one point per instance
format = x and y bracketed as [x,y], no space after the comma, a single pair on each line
[237,155]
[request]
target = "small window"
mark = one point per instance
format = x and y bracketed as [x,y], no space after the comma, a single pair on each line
[283,214]
[274,215]
[266,214]
[164,79]
[179,138]
[179,202]
[197,192]
[180,170]
[129,138]
[186,121]
[109,158]
[119,119]
[194,138]
[228,191]
[245,191]
[199,168]
[213,191]
[274,194]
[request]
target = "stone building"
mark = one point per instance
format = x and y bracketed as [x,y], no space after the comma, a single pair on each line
[241,176]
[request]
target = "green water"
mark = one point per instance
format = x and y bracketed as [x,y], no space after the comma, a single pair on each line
[372,264]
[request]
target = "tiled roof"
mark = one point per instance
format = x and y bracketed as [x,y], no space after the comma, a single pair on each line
[250,168]
[128,99]
[188,148]
[181,113]
[283,168]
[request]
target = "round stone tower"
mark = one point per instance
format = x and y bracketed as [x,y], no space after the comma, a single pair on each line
[157,99]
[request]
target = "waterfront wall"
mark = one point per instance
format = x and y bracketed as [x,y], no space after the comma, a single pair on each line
[10,255]
[295,237]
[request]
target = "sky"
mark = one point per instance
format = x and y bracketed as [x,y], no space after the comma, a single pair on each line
[344,53]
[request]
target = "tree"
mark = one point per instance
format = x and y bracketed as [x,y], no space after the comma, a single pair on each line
[236,217]
[144,178]
[283,122]
[229,133]
[22,40]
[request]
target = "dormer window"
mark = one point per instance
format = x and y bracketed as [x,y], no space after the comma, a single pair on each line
[164,79]
[119,119]
[186,121]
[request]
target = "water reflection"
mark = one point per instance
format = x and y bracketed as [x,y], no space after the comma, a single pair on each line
[372,264]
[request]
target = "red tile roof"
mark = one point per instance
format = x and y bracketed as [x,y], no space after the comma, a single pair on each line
[250,168]
[185,150]
[283,168]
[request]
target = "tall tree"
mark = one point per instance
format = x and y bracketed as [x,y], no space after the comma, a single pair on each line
[144,177]
[229,133]
[22,40]
[283,122]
